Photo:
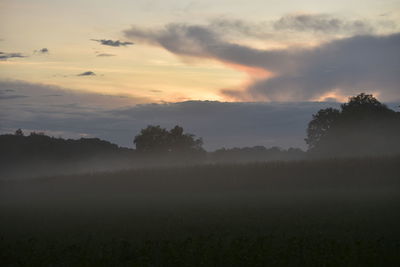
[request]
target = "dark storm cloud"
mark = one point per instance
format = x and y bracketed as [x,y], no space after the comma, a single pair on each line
[322,23]
[361,63]
[87,73]
[5,56]
[105,55]
[112,43]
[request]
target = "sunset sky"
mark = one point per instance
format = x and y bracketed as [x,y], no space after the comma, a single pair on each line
[59,57]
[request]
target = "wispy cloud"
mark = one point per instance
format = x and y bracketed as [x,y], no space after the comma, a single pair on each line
[8,97]
[52,108]
[112,42]
[294,26]
[87,73]
[41,51]
[322,23]
[5,56]
[105,55]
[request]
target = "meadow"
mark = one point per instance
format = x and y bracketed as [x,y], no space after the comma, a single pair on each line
[332,212]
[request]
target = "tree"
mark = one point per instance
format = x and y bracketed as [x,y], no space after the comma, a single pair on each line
[363,126]
[364,104]
[320,125]
[19,132]
[180,142]
[155,139]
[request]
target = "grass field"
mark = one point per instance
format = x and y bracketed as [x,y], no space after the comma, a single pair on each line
[306,213]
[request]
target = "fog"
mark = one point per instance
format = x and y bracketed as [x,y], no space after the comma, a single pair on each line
[335,203]
[91,202]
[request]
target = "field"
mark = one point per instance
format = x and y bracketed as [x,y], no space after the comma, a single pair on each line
[301,213]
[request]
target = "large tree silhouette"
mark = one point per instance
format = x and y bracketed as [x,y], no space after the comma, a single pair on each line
[363,126]
[320,125]
[155,139]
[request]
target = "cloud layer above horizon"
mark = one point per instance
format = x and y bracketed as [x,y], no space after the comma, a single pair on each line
[73,114]
[118,119]
[357,59]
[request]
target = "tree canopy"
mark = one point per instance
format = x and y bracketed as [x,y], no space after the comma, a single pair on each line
[38,146]
[363,126]
[154,139]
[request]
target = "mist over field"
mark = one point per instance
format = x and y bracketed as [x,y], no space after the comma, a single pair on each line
[280,213]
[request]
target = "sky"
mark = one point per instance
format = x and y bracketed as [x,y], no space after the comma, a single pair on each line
[97,58]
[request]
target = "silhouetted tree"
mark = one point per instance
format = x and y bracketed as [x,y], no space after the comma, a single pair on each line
[320,125]
[151,139]
[363,126]
[19,132]
[155,139]
[181,142]
[38,146]
[365,104]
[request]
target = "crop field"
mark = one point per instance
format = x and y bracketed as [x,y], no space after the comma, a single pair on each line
[342,212]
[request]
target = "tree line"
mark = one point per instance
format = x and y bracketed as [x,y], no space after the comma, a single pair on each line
[361,127]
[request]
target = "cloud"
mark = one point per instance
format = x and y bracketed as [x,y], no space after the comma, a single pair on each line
[105,55]
[322,23]
[229,124]
[87,73]
[112,43]
[300,26]
[44,107]
[39,95]
[5,56]
[7,97]
[42,51]
[229,26]
[344,66]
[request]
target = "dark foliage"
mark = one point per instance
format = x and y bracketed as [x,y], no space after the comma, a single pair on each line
[18,148]
[363,126]
[155,139]
[320,125]
[24,156]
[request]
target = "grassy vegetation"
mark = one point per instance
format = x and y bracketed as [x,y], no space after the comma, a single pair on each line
[305,213]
